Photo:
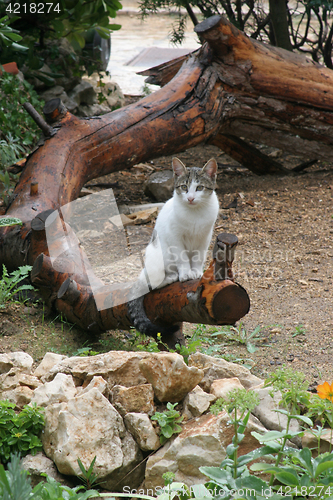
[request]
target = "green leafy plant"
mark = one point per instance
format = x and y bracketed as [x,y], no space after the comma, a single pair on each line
[140,342]
[85,351]
[78,22]
[293,388]
[9,36]
[15,485]
[10,221]
[190,348]
[241,335]
[19,133]
[18,130]
[168,421]
[19,432]
[9,283]
[89,478]
[299,330]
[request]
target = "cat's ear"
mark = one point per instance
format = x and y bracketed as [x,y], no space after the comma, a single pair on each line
[210,168]
[178,167]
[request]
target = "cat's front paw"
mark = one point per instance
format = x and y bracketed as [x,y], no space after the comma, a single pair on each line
[184,276]
[196,274]
[171,278]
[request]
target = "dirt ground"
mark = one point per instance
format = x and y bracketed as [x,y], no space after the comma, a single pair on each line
[284,261]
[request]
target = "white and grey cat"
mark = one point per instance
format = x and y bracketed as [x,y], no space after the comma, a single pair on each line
[181,237]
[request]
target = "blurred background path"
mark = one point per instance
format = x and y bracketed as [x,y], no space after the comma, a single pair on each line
[139,45]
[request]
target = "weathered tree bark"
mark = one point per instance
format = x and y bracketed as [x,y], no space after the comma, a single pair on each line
[230,90]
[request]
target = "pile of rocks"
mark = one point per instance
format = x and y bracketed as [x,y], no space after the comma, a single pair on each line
[85,96]
[101,406]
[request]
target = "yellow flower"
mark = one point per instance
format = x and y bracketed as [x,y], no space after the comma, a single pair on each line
[325,391]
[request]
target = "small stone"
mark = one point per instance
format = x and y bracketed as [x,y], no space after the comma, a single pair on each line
[49,361]
[170,377]
[61,389]
[39,464]
[197,402]
[136,399]
[218,368]
[83,93]
[220,388]
[21,360]
[99,383]
[5,363]
[141,428]
[14,378]
[265,411]
[311,441]
[20,396]
[160,185]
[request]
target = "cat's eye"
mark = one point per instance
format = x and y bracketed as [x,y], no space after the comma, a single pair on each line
[183,187]
[199,188]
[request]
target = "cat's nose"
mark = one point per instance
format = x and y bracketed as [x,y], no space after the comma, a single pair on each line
[190,199]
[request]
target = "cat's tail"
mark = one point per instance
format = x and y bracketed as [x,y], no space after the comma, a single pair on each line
[143,324]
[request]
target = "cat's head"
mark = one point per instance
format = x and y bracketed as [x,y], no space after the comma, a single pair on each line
[194,185]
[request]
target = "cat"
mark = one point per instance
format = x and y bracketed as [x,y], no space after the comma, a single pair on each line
[180,240]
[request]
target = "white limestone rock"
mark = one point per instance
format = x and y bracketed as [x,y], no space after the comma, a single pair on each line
[170,377]
[5,363]
[15,377]
[20,396]
[136,399]
[202,442]
[39,464]
[116,367]
[49,361]
[265,412]
[88,426]
[141,428]
[220,388]
[99,383]
[21,361]
[218,368]
[197,402]
[62,388]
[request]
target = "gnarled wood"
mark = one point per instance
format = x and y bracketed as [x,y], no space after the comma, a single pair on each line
[230,90]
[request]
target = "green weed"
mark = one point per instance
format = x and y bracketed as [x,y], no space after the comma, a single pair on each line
[10,283]
[168,421]
[19,432]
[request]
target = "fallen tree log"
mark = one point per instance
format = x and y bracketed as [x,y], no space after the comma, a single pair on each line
[232,89]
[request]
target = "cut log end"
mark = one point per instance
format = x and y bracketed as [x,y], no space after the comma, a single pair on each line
[230,304]
[38,223]
[54,110]
[207,24]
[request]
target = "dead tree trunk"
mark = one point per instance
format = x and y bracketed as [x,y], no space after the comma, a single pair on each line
[230,90]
